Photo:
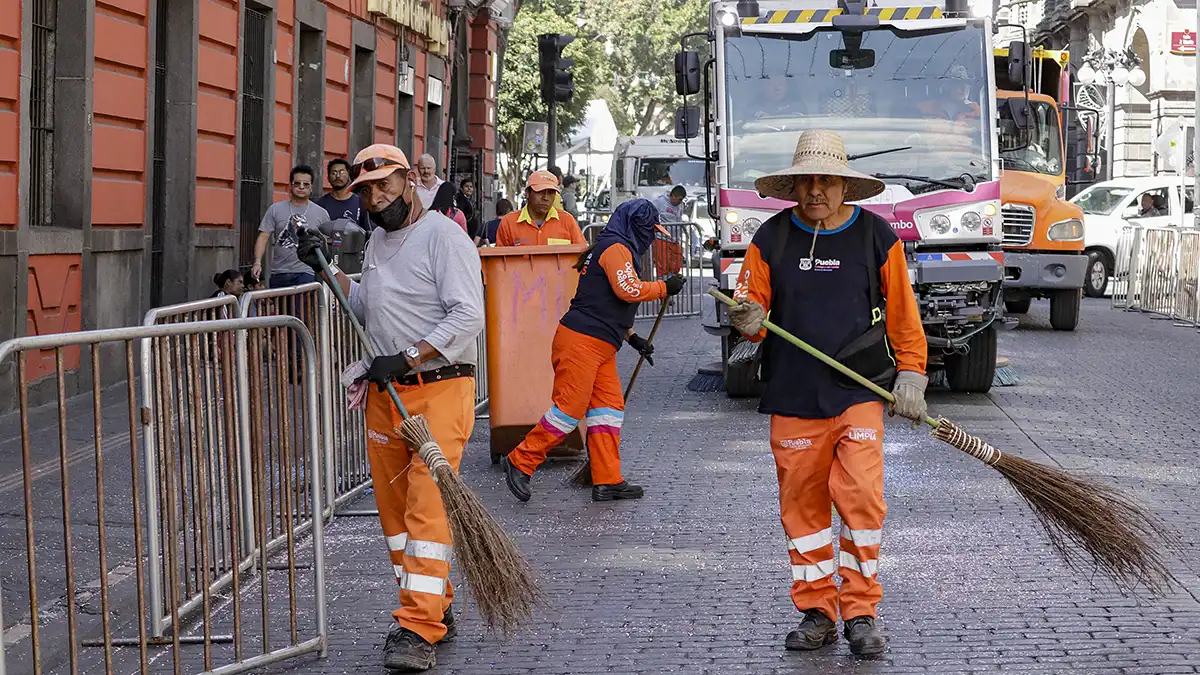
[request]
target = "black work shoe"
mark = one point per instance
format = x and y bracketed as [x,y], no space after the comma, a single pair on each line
[815,631]
[622,490]
[407,652]
[518,481]
[864,636]
[451,626]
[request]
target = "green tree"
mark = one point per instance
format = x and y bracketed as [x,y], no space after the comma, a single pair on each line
[641,38]
[519,97]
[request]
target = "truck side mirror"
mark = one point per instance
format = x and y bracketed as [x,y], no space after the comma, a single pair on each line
[1018,64]
[687,73]
[687,122]
[1087,169]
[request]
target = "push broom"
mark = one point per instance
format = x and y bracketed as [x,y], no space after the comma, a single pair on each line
[499,577]
[583,475]
[1083,520]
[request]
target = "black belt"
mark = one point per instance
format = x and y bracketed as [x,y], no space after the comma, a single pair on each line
[438,374]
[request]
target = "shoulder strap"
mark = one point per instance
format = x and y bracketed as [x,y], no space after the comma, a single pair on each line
[876,295]
[783,228]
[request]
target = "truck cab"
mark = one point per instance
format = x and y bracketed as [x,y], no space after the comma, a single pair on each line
[1043,232]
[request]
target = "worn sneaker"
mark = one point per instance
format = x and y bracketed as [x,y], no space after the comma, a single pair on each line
[864,636]
[815,631]
[451,626]
[622,490]
[407,652]
[517,480]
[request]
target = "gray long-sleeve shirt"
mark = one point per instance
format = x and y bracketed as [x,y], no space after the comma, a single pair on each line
[422,283]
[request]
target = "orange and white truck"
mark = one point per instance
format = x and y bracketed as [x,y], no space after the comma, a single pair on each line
[1043,232]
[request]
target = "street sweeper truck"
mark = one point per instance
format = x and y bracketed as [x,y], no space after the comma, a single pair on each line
[911,90]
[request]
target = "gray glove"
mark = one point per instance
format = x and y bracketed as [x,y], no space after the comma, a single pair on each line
[747,317]
[909,391]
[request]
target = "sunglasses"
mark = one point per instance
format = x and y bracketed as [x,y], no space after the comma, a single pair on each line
[372,164]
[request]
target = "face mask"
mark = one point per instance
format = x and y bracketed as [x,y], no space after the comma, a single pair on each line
[394,216]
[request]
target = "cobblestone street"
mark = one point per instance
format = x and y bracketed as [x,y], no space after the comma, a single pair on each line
[694,577]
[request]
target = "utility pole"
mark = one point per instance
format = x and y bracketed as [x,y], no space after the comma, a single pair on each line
[1196,125]
[558,85]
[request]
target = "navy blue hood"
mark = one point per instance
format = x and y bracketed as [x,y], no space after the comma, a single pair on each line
[632,224]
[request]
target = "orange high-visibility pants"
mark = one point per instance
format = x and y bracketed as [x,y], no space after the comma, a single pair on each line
[585,384]
[410,505]
[840,459]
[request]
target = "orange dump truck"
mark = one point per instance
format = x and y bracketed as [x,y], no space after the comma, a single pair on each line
[1043,232]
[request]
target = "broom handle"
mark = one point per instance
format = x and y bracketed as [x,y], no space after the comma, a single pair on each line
[650,341]
[363,337]
[819,355]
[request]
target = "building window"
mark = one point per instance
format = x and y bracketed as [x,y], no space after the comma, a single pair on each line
[44,15]
[433,118]
[362,113]
[254,168]
[310,110]
[405,110]
[158,178]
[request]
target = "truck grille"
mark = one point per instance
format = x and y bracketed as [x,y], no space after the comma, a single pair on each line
[1018,221]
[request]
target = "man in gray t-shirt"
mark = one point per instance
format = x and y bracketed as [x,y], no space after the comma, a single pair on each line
[280,226]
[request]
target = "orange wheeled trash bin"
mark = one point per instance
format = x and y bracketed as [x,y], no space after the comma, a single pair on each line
[527,289]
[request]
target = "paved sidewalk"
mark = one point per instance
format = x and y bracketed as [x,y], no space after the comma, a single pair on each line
[694,578]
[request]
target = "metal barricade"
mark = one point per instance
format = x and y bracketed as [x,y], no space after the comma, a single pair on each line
[1156,281]
[675,256]
[83,505]
[1187,276]
[1125,267]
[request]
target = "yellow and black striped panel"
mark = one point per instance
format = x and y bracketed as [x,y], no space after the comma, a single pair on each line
[826,15]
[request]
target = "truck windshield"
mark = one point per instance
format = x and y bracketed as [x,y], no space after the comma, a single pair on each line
[926,89]
[1043,154]
[670,171]
[1101,201]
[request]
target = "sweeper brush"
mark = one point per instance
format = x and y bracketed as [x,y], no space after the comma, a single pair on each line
[501,581]
[1085,521]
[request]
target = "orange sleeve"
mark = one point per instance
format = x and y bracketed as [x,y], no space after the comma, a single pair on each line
[754,283]
[904,329]
[573,232]
[618,265]
[504,236]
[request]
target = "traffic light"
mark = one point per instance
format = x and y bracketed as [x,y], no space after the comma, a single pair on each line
[557,81]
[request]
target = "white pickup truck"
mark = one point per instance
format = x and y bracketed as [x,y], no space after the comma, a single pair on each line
[1152,201]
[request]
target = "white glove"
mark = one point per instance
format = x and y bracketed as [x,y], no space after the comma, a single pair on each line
[747,317]
[909,392]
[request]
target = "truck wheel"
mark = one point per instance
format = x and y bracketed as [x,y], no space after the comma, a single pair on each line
[1018,305]
[1095,282]
[1064,309]
[973,372]
[741,379]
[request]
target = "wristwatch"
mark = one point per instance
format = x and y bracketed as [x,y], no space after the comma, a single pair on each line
[413,355]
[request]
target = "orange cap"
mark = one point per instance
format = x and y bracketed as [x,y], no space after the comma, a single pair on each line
[542,180]
[377,161]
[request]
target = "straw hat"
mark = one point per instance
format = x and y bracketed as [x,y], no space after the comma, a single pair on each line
[819,153]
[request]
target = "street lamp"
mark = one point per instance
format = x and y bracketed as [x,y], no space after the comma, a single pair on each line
[1113,68]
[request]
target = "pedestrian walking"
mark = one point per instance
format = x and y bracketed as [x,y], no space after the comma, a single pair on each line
[428,181]
[343,206]
[540,223]
[834,275]
[670,205]
[465,201]
[443,203]
[280,227]
[586,383]
[569,196]
[421,300]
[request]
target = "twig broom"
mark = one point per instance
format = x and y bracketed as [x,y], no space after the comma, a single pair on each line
[1085,521]
[499,577]
[583,475]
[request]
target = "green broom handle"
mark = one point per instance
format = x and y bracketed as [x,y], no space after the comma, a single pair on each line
[332,282]
[821,356]
[650,341]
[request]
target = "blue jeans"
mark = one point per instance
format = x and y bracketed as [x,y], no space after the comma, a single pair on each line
[291,279]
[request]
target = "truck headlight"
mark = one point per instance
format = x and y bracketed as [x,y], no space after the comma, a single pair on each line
[940,224]
[965,222]
[731,217]
[970,221]
[750,226]
[1070,229]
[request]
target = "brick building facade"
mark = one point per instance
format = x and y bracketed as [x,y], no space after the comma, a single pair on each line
[141,140]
